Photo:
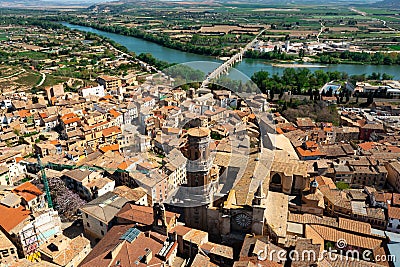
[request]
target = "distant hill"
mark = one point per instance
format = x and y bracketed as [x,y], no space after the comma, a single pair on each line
[44,3]
[388,3]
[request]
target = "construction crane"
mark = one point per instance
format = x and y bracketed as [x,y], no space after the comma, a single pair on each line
[45,183]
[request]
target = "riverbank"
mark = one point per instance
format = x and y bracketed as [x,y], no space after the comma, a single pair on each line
[161,39]
[291,65]
[208,63]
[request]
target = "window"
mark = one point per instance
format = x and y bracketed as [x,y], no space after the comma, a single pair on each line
[276,179]
[87,224]
[86,215]
[390,225]
[101,224]
[5,253]
[102,232]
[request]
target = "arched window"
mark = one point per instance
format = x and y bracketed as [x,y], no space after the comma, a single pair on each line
[276,179]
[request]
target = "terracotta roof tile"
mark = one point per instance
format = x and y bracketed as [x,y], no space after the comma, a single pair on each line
[114,113]
[112,130]
[355,226]
[141,214]
[24,113]
[331,234]
[126,253]
[27,191]
[10,217]
[114,147]
[393,212]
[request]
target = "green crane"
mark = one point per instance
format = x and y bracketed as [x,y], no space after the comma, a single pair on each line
[45,183]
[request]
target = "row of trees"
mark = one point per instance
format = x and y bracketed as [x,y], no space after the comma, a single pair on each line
[316,110]
[149,59]
[297,81]
[332,58]
[277,54]
[369,58]
[301,81]
[159,38]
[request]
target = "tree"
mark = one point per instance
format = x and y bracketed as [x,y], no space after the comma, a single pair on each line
[302,53]
[259,77]
[370,99]
[342,185]
[374,76]
[387,77]
[65,201]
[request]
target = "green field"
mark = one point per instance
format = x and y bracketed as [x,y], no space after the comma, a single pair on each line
[31,55]
[29,79]
[52,80]
[394,47]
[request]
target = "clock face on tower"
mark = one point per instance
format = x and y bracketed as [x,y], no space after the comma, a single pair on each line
[243,219]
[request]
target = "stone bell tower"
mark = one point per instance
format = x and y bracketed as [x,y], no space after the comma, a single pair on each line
[198,154]
[198,166]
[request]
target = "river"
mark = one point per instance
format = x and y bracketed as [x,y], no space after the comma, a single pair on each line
[247,66]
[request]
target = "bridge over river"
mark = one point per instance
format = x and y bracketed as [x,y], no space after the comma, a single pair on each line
[224,68]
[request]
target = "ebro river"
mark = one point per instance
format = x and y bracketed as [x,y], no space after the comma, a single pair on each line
[247,66]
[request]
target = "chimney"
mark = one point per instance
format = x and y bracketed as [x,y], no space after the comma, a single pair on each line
[148,255]
[313,186]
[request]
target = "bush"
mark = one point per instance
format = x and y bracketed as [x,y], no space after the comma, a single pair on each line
[342,185]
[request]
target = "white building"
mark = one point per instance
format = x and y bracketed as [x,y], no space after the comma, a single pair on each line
[175,168]
[98,214]
[93,91]
[43,227]
[49,123]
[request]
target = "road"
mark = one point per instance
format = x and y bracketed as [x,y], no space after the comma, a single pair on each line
[320,31]
[364,14]
[42,80]
[13,75]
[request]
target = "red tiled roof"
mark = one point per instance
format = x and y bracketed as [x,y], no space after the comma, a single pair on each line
[68,116]
[367,145]
[10,217]
[114,113]
[43,115]
[141,214]
[114,147]
[147,99]
[393,212]
[111,130]
[396,199]
[309,153]
[54,142]
[72,120]
[128,253]
[27,191]
[279,131]
[24,113]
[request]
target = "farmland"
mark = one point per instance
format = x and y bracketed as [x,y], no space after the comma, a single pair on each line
[219,29]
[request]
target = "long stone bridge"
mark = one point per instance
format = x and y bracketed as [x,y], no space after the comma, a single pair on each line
[224,68]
